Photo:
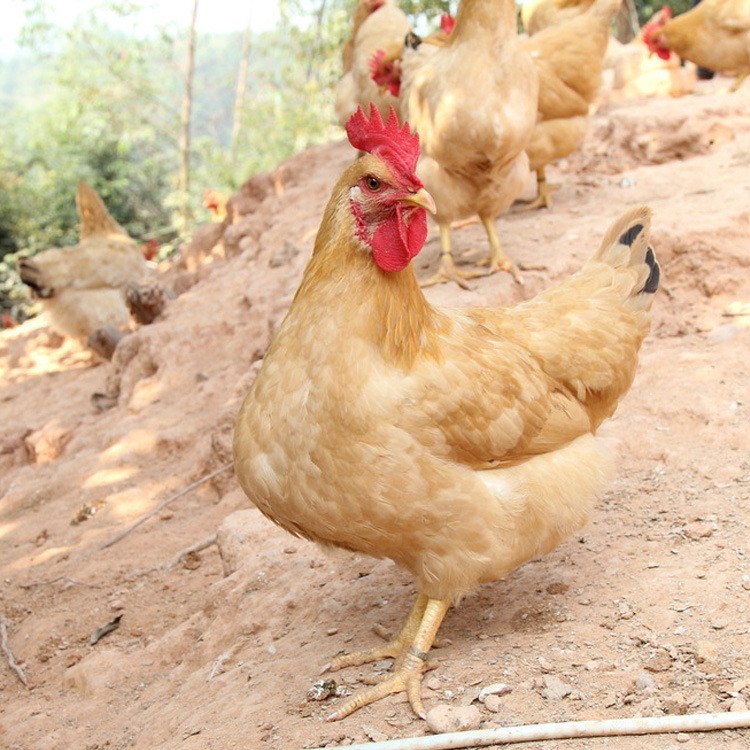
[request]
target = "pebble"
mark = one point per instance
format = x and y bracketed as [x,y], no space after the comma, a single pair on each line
[738,705]
[682,737]
[705,651]
[746,583]
[432,683]
[698,530]
[554,688]
[659,662]
[496,689]
[676,704]
[492,703]
[374,734]
[444,719]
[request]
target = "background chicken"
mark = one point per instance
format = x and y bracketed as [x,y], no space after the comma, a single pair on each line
[457,443]
[83,287]
[715,34]
[377,24]
[473,103]
[569,58]
[539,14]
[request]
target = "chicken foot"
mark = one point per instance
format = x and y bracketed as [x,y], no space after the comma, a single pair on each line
[447,270]
[544,193]
[408,676]
[395,647]
[739,81]
[498,260]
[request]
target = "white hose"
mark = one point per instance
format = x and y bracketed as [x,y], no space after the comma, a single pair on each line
[563,731]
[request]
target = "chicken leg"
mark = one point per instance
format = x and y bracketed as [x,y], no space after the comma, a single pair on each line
[498,260]
[544,193]
[448,271]
[412,646]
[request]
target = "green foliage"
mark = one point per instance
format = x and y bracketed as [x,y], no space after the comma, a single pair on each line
[647,8]
[98,101]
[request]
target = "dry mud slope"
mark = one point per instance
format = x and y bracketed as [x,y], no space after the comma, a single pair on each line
[644,613]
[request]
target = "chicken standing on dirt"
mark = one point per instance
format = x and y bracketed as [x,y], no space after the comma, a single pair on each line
[83,286]
[474,104]
[569,58]
[541,14]
[376,24]
[715,34]
[457,443]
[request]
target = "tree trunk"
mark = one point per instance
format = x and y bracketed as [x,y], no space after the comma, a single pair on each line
[185,112]
[239,95]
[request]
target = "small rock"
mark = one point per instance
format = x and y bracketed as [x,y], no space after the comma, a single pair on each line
[432,683]
[544,665]
[444,719]
[676,704]
[47,443]
[719,624]
[374,734]
[557,587]
[705,651]
[554,688]
[591,666]
[746,582]
[661,661]
[382,666]
[738,705]
[492,703]
[497,688]
[324,689]
[698,530]
[682,737]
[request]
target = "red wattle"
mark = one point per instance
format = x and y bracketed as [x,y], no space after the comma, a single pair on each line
[398,240]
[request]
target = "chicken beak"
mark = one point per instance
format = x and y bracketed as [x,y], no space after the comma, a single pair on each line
[422,199]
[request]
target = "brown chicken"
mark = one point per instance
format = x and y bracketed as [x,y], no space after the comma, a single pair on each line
[540,14]
[569,58]
[457,443]
[83,287]
[715,34]
[473,103]
[383,26]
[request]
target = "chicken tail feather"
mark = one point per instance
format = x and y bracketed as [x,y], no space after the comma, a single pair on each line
[626,247]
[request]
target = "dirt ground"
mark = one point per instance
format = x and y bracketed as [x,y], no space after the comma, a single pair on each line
[644,613]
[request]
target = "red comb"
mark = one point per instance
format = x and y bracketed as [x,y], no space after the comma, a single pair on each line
[395,144]
[447,23]
[375,60]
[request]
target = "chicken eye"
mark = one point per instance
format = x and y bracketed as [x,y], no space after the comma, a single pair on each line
[373,183]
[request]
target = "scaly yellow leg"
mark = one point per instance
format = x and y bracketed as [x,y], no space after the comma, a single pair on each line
[740,80]
[447,270]
[408,677]
[498,260]
[391,650]
[544,193]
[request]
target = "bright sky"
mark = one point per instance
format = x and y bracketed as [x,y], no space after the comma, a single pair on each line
[213,15]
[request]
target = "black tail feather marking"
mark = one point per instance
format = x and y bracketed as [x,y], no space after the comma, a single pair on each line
[652,282]
[629,237]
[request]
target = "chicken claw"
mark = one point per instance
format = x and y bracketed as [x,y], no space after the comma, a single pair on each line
[449,272]
[395,648]
[544,195]
[411,647]
[407,679]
